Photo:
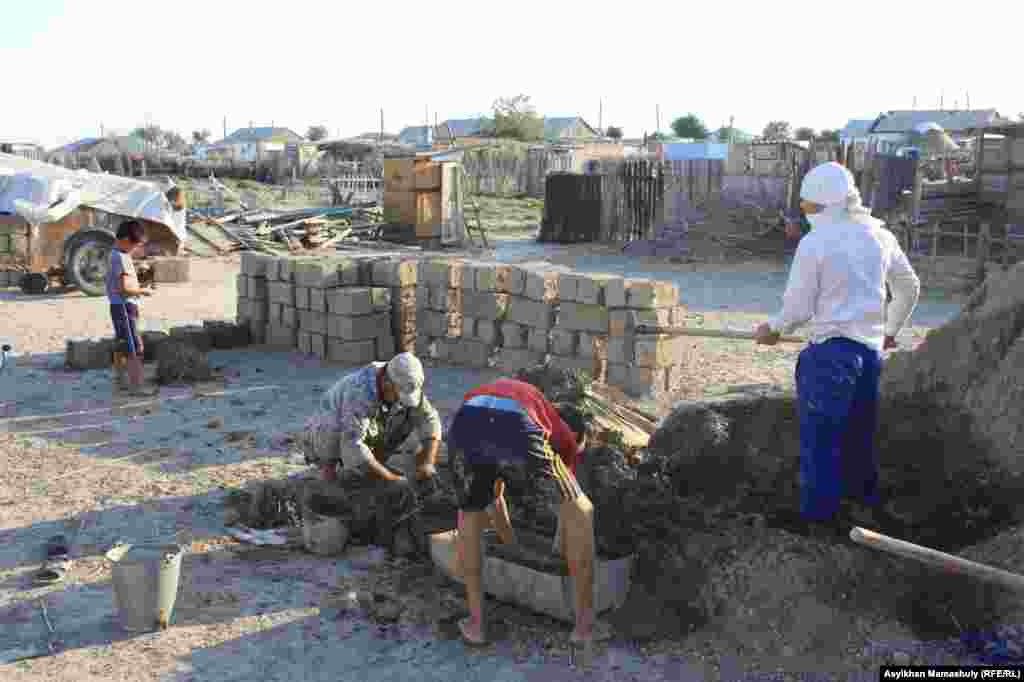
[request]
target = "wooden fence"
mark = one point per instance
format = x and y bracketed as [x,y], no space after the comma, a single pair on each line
[510,172]
[635,199]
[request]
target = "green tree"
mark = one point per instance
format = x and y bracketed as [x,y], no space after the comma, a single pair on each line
[152,135]
[657,137]
[690,127]
[804,134]
[829,136]
[777,130]
[515,118]
[201,136]
[614,132]
[172,140]
[316,133]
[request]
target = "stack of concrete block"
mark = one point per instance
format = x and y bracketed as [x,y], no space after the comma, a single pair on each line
[254,293]
[359,325]
[400,276]
[170,269]
[439,300]
[579,340]
[83,353]
[527,328]
[644,363]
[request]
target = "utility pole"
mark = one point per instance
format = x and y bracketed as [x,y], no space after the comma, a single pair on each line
[913,107]
[968,101]
[382,125]
[732,128]
[657,117]
[600,116]
[225,127]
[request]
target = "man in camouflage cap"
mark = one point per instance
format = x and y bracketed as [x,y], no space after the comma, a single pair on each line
[377,424]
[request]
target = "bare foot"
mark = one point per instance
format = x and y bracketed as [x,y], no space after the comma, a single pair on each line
[471,635]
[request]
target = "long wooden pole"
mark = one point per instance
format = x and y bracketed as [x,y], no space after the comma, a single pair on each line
[712,333]
[941,560]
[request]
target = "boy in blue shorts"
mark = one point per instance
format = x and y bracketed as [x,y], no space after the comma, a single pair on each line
[124,292]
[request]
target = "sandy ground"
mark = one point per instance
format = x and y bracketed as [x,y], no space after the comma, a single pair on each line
[102,471]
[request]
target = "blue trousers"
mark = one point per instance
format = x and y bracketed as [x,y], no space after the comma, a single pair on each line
[837,386]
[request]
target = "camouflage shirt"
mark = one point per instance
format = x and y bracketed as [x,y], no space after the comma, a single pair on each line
[352,408]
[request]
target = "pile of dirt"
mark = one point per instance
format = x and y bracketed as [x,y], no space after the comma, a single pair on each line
[179,362]
[974,364]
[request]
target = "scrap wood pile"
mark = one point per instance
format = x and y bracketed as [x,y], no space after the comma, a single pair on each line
[269,231]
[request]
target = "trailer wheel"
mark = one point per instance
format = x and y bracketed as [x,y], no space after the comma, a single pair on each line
[88,262]
[35,283]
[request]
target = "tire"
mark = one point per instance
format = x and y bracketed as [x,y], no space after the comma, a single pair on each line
[88,261]
[35,283]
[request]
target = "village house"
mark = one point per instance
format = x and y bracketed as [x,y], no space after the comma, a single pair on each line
[29,150]
[894,129]
[253,144]
[100,148]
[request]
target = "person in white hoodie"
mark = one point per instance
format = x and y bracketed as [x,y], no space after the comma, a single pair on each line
[837,284]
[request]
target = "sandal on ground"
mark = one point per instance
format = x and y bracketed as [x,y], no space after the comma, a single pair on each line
[466,640]
[57,548]
[51,573]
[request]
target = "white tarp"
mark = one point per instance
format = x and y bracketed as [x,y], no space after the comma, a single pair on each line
[42,192]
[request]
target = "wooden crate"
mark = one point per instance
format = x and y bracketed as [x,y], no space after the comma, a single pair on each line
[399,175]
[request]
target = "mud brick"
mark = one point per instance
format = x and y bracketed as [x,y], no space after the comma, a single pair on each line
[348,273]
[404,296]
[564,342]
[315,274]
[485,305]
[89,353]
[349,301]
[305,342]
[302,298]
[281,292]
[380,298]
[622,350]
[618,375]
[318,346]
[407,344]
[622,322]
[358,327]
[445,299]
[194,335]
[284,338]
[317,300]
[587,289]
[351,352]
[312,321]
[657,350]
[395,273]
[423,297]
[487,331]
[274,313]
[593,346]
[673,377]
[472,353]
[513,335]
[385,348]
[538,340]
[440,273]
[258,265]
[289,317]
[502,279]
[641,294]
[256,289]
[573,363]
[541,281]
[241,284]
[286,269]
[583,317]
[257,332]
[511,359]
[435,324]
[530,313]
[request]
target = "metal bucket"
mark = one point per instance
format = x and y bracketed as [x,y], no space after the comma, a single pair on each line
[145,581]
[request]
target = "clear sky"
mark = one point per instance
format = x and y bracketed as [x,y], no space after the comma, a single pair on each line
[71,66]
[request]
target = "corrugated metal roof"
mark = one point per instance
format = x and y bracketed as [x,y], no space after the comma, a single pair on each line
[261,134]
[950,121]
[858,126]
[417,135]
[465,127]
[555,126]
